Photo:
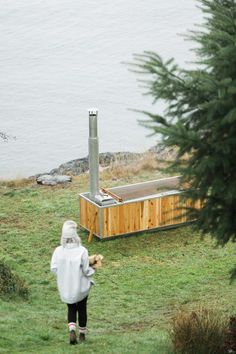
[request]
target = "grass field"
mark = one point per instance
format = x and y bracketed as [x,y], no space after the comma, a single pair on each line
[145,279]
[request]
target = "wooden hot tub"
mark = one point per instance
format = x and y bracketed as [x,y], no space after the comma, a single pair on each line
[145,206]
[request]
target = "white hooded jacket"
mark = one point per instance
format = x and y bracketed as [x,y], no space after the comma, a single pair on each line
[71,265]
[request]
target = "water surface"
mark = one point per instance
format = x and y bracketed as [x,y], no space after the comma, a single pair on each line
[59,57]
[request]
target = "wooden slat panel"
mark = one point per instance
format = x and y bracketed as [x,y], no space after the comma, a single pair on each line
[122,219]
[137,223]
[84,213]
[165,212]
[152,213]
[177,211]
[144,215]
[122,212]
[87,215]
[105,222]
[197,205]
[136,216]
[132,215]
[172,210]
[114,221]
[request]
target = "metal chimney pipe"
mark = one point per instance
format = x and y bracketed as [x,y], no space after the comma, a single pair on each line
[93,154]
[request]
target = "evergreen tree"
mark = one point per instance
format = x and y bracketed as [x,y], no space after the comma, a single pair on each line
[200,118]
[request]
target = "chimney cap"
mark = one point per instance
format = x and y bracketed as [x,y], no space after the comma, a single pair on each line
[93,111]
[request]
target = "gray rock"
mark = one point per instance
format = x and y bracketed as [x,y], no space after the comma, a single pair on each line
[53,180]
[73,167]
[78,166]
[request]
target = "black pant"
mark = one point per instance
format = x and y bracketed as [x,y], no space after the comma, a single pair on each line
[81,308]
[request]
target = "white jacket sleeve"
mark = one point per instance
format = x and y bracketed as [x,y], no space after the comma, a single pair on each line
[54,262]
[87,270]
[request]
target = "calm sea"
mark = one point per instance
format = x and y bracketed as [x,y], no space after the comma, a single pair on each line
[60,57]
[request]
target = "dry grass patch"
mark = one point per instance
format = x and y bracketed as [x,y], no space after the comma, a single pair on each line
[201,331]
[18,183]
[119,170]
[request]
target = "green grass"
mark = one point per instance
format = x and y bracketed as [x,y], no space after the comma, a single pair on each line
[145,279]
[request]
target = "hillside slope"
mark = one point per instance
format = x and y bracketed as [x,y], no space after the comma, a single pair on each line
[145,279]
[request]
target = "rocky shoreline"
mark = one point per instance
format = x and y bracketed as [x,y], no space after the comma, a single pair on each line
[106,159]
[65,172]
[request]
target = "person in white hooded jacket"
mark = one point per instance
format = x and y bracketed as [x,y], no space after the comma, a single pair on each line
[70,263]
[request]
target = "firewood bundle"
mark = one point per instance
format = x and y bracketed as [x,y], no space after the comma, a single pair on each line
[95,260]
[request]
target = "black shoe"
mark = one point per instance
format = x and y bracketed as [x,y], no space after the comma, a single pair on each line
[73,339]
[81,337]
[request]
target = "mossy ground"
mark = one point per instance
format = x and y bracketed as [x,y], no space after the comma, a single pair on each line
[145,278]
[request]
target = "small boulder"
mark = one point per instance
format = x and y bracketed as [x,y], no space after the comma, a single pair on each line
[53,180]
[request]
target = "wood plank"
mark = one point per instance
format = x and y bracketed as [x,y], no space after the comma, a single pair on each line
[137,224]
[114,219]
[177,211]
[105,221]
[121,227]
[145,215]
[150,213]
[83,213]
[166,214]
[87,215]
